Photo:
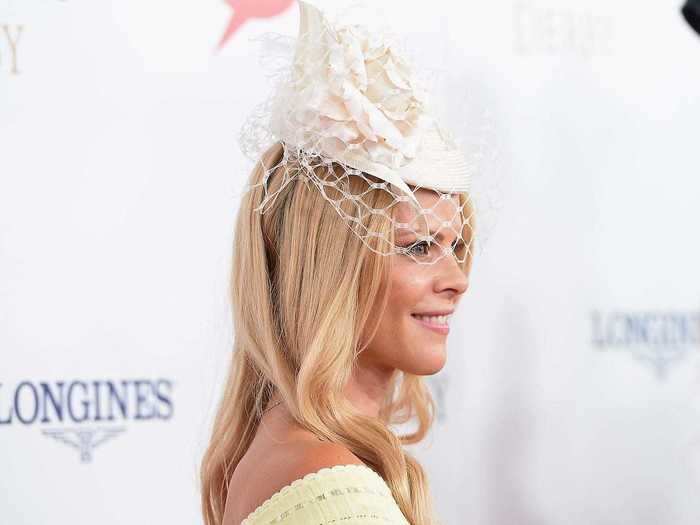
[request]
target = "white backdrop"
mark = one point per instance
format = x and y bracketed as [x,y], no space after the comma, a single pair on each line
[572,389]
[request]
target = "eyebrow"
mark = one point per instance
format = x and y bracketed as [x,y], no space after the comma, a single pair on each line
[406,233]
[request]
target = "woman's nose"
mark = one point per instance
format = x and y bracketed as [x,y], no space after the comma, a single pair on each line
[450,277]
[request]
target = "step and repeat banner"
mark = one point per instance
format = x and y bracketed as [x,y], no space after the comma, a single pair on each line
[571,394]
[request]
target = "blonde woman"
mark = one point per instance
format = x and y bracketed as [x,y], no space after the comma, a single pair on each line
[352,250]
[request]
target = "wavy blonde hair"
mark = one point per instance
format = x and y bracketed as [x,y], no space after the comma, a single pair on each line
[302,287]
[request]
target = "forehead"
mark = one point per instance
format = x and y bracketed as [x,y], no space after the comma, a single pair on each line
[436,212]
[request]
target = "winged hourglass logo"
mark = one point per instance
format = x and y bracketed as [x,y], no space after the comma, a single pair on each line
[85,440]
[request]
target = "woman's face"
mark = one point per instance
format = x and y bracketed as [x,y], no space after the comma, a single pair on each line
[412,331]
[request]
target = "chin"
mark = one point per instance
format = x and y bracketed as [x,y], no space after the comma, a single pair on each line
[429,360]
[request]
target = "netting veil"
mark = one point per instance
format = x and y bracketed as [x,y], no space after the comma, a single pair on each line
[352,118]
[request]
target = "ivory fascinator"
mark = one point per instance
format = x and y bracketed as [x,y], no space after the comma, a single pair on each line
[347,103]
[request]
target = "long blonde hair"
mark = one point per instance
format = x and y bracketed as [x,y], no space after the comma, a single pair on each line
[302,287]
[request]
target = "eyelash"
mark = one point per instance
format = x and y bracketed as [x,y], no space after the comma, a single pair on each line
[407,249]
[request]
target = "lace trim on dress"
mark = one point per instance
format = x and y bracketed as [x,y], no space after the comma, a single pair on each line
[312,475]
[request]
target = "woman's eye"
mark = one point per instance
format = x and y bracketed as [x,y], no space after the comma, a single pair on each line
[422,248]
[419,248]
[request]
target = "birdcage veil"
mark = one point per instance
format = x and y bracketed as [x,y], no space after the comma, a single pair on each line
[347,105]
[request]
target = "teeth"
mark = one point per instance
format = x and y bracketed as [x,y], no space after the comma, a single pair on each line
[434,319]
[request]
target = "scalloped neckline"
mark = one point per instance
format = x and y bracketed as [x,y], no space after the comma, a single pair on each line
[311,475]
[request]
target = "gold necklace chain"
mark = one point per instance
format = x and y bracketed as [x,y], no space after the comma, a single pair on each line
[271,407]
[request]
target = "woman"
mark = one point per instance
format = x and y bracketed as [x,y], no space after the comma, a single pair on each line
[346,270]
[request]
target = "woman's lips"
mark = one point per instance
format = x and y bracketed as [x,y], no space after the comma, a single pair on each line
[443,329]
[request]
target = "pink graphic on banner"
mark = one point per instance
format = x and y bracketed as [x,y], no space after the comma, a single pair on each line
[246,9]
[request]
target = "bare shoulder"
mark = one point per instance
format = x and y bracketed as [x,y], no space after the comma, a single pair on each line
[257,478]
[312,457]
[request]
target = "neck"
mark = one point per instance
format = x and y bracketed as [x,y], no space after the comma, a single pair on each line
[366,389]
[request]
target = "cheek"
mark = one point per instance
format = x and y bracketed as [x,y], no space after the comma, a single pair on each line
[409,289]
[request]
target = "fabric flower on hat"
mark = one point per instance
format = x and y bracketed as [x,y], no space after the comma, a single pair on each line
[354,95]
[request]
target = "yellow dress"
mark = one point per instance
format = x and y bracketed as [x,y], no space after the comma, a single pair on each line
[342,494]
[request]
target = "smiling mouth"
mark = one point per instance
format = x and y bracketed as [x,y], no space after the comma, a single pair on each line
[437,323]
